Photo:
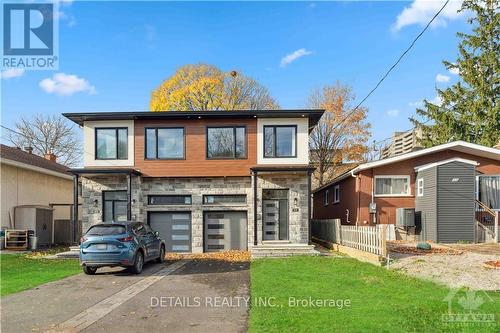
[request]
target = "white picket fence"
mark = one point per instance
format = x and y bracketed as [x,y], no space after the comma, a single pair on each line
[365,238]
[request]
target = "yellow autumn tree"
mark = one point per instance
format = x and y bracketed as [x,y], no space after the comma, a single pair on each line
[205,87]
[341,135]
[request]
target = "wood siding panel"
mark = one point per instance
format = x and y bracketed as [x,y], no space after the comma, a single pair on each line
[426,205]
[195,163]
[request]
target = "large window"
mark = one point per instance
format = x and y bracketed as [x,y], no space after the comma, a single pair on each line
[164,143]
[111,143]
[114,206]
[392,185]
[226,142]
[280,141]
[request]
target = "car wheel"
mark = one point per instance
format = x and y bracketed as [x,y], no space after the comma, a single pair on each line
[161,258]
[89,270]
[138,263]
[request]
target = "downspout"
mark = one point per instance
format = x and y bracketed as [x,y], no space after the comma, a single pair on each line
[309,206]
[359,193]
[129,197]
[254,174]
[75,209]
[373,200]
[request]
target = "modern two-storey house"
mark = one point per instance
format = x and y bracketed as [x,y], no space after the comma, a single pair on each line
[206,181]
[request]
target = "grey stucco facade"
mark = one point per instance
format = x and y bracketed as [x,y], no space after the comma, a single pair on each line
[297,185]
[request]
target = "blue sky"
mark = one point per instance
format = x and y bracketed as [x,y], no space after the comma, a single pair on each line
[112,54]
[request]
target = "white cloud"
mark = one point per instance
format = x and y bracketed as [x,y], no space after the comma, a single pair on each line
[416,104]
[442,78]
[12,73]
[291,57]
[454,71]
[437,100]
[393,113]
[66,85]
[421,12]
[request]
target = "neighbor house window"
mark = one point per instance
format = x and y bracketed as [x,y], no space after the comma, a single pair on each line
[225,199]
[226,142]
[336,193]
[327,194]
[169,199]
[280,141]
[420,187]
[111,143]
[392,185]
[114,206]
[164,143]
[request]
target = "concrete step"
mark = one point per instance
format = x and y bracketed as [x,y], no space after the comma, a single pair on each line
[282,250]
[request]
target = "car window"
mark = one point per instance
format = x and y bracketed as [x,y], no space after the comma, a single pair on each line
[148,228]
[105,230]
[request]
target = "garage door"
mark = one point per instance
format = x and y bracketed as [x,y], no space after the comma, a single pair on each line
[225,231]
[174,228]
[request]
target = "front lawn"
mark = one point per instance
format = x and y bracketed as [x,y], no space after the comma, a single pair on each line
[19,272]
[380,300]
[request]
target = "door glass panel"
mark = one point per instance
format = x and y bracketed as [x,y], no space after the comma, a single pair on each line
[108,211]
[120,213]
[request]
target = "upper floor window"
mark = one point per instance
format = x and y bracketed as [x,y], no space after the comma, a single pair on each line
[280,141]
[325,199]
[164,143]
[111,143]
[392,185]
[226,142]
[336,193]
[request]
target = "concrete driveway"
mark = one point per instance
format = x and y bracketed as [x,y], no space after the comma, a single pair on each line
[194,296]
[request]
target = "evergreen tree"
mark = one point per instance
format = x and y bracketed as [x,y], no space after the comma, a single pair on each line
[468,110]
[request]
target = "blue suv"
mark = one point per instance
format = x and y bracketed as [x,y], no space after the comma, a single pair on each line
[125,244]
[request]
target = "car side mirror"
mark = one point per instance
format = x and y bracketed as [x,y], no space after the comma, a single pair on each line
[156,233]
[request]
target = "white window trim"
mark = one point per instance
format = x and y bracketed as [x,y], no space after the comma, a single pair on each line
[325,199]
[336,189]
[420,187]
[408,194]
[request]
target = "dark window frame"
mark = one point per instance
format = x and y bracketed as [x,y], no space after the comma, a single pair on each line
[274,141]
[234,127]
[156,128]
[103,204]
[336,194]
[170,195]
[224,195]
[96,129]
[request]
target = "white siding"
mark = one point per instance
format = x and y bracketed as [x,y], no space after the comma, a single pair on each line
[302,140]
[89,143]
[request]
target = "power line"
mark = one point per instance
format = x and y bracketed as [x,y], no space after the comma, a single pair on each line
[393,66]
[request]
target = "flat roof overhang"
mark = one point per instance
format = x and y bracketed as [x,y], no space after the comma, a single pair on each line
[313,115]
[282,168]
[100,172]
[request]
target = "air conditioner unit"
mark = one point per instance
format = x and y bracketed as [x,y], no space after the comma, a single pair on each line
[405,217]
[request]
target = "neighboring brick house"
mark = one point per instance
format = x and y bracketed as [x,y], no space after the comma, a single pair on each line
[390,183]
[207,181]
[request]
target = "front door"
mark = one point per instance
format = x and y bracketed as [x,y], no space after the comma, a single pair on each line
[275,215]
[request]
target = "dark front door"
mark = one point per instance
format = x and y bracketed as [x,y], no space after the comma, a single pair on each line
[114,206]
[275,214]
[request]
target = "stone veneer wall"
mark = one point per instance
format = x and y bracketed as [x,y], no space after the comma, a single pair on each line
[197,187]
[92,188]
[298,188]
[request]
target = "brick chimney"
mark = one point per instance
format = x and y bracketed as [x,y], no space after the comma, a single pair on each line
[51,157]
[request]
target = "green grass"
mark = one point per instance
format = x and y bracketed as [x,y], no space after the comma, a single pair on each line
[381,300]
[19,272]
